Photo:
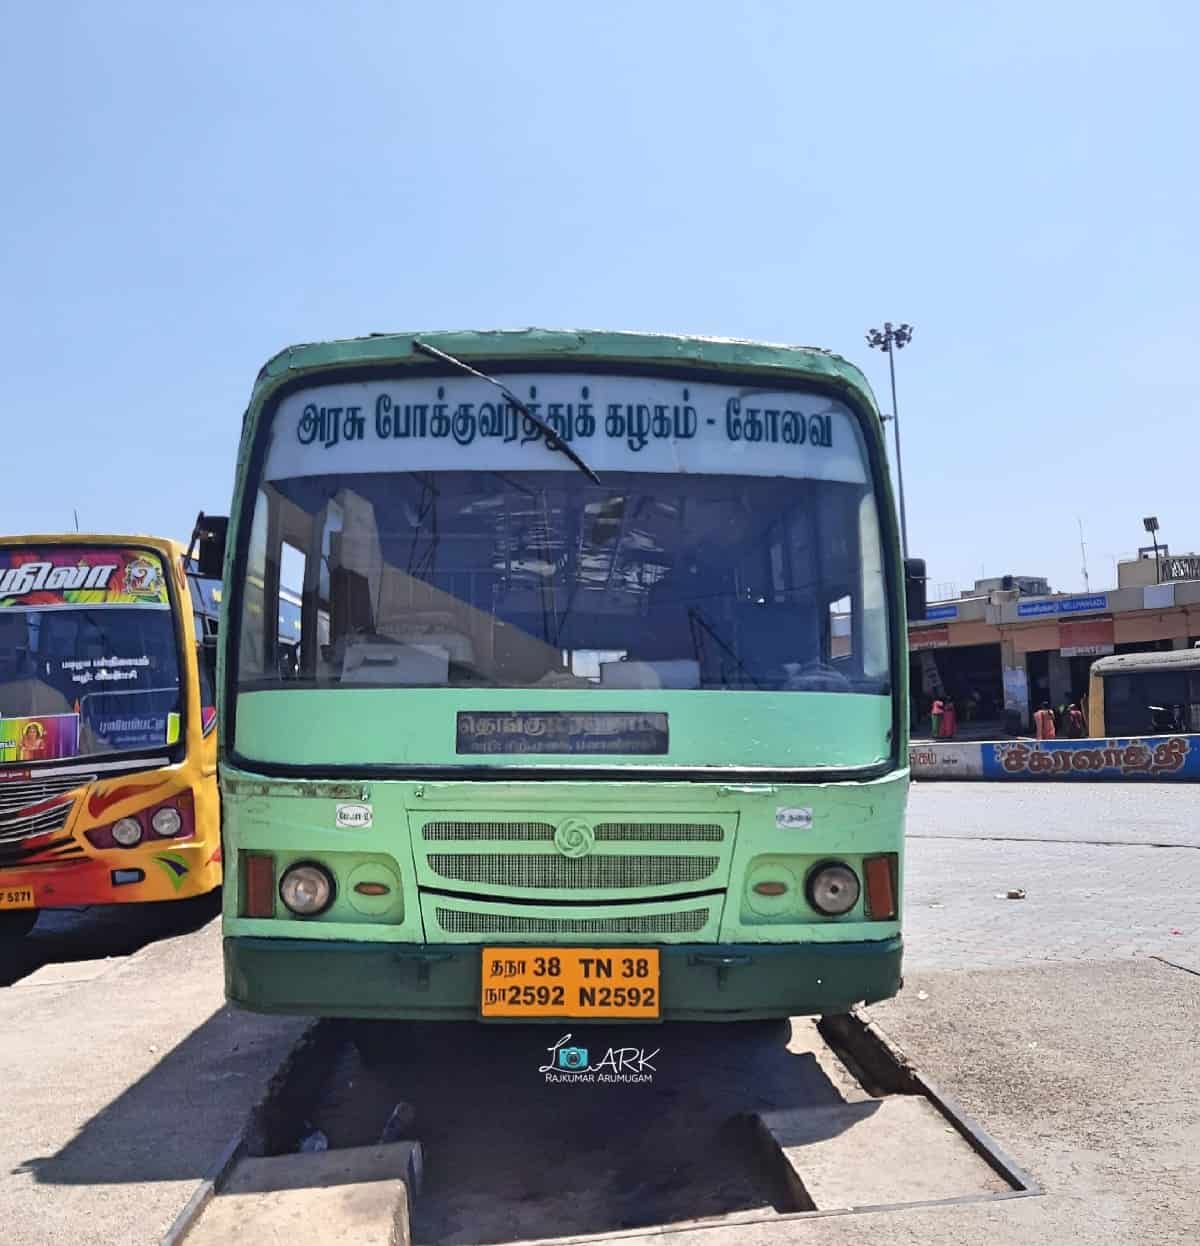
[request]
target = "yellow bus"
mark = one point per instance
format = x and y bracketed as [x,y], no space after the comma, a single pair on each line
[108,748]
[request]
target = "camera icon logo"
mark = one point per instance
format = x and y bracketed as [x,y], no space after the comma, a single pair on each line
[572,1059]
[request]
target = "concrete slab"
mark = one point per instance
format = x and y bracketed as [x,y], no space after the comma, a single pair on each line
[876,1152]
[355,1197]
[65,973]
[121,1090]
[1086,1074]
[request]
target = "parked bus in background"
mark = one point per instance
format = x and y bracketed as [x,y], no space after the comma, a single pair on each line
[598,707]
[1133,694]
[108,748]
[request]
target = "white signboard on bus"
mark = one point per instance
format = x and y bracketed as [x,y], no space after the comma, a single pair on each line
[614,423]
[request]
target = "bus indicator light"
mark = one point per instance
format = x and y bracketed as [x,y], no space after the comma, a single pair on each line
[881,891]
[258,894]
[771,889]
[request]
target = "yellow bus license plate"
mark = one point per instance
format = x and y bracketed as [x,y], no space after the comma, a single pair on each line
[570,982]
[16,898]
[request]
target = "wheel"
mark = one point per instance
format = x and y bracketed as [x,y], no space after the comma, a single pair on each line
[17,924]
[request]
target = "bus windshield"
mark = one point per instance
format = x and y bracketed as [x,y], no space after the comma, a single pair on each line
[541,579]
[89,668]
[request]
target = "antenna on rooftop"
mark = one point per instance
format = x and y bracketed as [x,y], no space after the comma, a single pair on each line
[1087,586]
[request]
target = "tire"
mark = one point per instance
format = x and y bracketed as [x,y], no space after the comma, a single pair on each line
[17,924]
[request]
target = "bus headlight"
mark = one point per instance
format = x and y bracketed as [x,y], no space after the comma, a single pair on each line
[306,890]
[127,832]
[833,889]
[166,821]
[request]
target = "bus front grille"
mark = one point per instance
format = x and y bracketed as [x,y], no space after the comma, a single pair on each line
[37,807]
[505,831]
[457,921]
[572,857]
[551,871]
[605,832]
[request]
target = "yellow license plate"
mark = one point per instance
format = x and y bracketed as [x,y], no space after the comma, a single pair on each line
[570,982]
[16,898]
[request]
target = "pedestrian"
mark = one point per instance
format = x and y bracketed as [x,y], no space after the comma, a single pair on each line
[935,717]
[1043,722]
[1076,727]
[949,720]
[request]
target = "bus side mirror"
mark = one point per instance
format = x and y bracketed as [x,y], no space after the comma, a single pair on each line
[209,539]
[914,588]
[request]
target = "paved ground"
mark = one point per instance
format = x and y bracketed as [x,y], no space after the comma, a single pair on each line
[123,1078]
[1085,1072]
[1096,886]
[1050,1018]
[1104,813]
[76,943]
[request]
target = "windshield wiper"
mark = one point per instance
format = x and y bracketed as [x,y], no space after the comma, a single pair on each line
[553,440]
[696,618]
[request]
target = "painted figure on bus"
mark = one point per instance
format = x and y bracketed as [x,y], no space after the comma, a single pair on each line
[33,742]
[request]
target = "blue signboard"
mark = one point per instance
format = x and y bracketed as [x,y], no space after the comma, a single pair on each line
[941,612]
[1063,605]
[1143,757]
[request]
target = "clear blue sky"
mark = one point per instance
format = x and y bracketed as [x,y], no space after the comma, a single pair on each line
[189,188]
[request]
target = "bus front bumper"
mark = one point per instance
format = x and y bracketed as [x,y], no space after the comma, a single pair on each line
[441,982]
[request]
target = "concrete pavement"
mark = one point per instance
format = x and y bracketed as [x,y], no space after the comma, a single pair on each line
[123,1080]
[1087,1075]
[1093,813]
[1050,1019]
[1097,886]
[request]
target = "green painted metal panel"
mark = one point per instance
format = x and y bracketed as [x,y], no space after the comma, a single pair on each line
[700,982]
[847,821]
[410,726]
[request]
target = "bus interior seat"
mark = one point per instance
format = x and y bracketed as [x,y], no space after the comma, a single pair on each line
[771,636]
[351,608]
[672,673]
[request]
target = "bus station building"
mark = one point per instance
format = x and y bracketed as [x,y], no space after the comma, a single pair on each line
[1003,650]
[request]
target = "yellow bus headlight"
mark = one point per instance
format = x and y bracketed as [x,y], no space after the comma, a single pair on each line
[127,832]
[166,821]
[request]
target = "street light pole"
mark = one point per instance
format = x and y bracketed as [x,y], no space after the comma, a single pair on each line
[890,340]
[1150,523]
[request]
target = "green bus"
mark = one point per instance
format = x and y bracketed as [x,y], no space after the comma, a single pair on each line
[595,705]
